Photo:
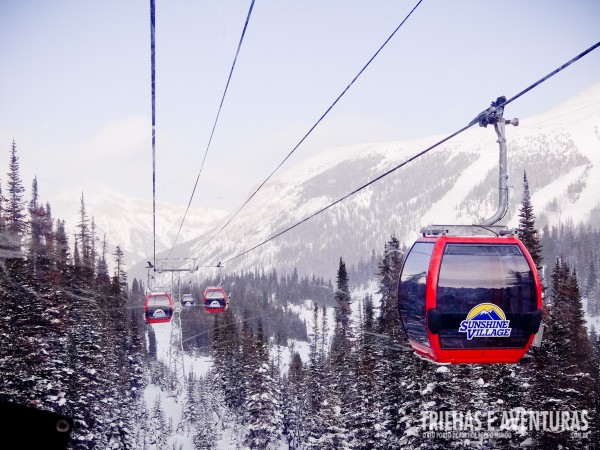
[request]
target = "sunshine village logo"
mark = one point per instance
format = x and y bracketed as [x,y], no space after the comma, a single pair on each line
[473,423]
[485,320]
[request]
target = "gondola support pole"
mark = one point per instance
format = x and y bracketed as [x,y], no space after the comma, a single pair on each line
[494,115]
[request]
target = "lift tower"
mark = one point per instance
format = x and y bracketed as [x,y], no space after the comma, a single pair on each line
[176,363]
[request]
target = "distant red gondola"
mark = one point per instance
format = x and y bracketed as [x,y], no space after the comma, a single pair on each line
[158,307]
[470,299]
[215,300]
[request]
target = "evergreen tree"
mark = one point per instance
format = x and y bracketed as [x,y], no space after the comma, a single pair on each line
[102,277]
[564,375]
[2,221]
[119,281]
[61,255]
[48,229]
[226,355]
[526,231]
[190,410]
[14,213]
[151,343]
[93,238]
[342,362]
[65,350]
[389,276]
[315,387]
[35,227]
[206,434]
[294,403]
[392,392]
[76,256]
[5,241]
[365,418]
[158,425]
[581,353]
[263,416]
[85,241]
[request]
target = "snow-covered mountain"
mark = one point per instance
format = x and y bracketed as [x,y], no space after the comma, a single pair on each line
[455,183]
[127,221]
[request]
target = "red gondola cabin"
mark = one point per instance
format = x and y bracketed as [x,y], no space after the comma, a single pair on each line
[158,307]
[215,300]
[470,299]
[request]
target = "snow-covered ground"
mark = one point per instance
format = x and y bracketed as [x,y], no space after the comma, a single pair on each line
[230,435]
[172,408]
[198,364]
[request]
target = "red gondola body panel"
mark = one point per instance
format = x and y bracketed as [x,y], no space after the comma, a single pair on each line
[215,300]
[484,322]
[158,307]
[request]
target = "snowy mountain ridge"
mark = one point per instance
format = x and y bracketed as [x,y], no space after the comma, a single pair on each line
[455,183]
[127,221]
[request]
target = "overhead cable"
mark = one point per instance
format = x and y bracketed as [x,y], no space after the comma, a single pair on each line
[153,77]
[412,158]
[214,125]
[313,127]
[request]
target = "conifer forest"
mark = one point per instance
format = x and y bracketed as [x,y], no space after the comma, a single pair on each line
[283,225]
[341,376]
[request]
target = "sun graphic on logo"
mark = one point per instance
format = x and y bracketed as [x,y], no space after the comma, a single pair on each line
[488,311]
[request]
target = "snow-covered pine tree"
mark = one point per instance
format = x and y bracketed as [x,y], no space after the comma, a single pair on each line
[246,359]
[324,345]
[526,231]
[315,387]
[158,425]
[262,409]
[151,343]
[226,355]
[393,367]
[102,277]
[294,403]
[85,240]
[66,355]
[48,234]
[126,336]
[77,271]
[389,276]
[63,271]
[190,411]
[32,353]
[36,223]
[5,242]
[119,281]
[581,353]
[342,356]
[340,398]
[93,251]
[14,213]
[365,415]
[563,364]
[206,433]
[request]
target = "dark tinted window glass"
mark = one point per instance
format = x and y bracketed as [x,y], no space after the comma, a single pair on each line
[159,301]
[411,291]
[472,274]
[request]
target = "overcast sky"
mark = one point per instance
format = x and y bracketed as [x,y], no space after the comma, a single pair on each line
[75,83]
